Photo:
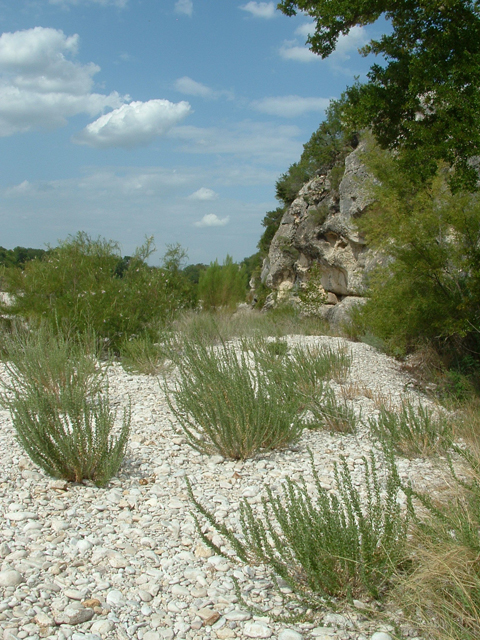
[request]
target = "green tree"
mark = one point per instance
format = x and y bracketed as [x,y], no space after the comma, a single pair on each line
[428,287]
[222,285]
[424,102]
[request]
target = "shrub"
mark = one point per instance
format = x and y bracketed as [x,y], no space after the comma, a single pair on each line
[59,407]
[222,286]
[413,431]
[142,354]
[333,544]
[442,593]
[79,284]
[227,403]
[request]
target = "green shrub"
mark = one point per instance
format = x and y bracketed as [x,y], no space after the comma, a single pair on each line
[222,286]
[441,595]
[226,403]
[79,285]
[413,431]
[59,406]
[338,544]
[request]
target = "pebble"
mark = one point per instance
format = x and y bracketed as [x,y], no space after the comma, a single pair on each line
[126,561]
[10,578]
[289,634]
[257,630]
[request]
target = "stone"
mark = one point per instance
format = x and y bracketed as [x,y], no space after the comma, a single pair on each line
[209,616]
[115,598]
[257,630]
[238,616]
[10,578]
[201,551]
[289,634]
[73,615]
[44,620]
[91,603]
[151,635]
[225,633]
[381,635]
[102,627]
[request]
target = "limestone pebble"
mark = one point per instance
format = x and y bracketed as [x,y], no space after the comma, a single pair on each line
[124,562]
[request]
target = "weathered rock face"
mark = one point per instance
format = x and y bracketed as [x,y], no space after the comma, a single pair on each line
[318,228]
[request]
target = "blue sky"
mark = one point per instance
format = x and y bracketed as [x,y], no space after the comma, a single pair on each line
[171,118]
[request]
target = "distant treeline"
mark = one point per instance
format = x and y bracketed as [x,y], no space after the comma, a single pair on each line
[19,256]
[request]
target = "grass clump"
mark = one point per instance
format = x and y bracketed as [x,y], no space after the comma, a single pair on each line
[143,354]
[227,403]
[413,431]
[442,593]
[58,401]
[332,414]
[338,544]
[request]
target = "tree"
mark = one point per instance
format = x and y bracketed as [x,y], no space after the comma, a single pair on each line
[424,102]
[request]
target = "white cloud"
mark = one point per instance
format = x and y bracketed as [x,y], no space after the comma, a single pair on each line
[184,6]
[204,194]
[347,44]
[305,30]
[293,51]
[40,87]
[192,88]
[259,141]
[212,220]
[134,124]
[260,9]
[290,106]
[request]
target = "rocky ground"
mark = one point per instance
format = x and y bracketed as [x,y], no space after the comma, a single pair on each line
[126,561]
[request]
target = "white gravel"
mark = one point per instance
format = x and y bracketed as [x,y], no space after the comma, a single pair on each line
[126,561]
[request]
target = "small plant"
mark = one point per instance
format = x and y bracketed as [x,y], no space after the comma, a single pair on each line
[414,431]
[320,363]
[58,401]
[227,403]
[142,355]
[333,544]
[332,414]
[442,593]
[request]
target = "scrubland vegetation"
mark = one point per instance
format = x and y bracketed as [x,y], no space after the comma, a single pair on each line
[240,389]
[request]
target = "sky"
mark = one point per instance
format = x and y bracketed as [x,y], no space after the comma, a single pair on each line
[127,119]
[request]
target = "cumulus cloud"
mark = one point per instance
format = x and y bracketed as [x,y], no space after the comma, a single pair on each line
[290,106]
[260,9]
[204,194]
[212,220]
[192,88]
[291,50]
[134,124]
[185,7]
[40,87]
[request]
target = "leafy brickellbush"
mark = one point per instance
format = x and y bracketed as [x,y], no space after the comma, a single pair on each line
[58,399]
[332,544]
[226,402]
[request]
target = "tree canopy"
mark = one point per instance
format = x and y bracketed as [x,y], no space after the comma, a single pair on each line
[424,100]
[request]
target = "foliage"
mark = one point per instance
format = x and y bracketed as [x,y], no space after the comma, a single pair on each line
[59,407]
[428,287]
[311,293]
[77,285]
[331,414]
[425,101]
[271,222]
[143,354]
[323,153]
[413,431]
[222,285]
[332,544]
[442,593]
[226,403]
[18,256]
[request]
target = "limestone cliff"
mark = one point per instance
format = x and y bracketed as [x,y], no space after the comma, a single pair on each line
[318,228]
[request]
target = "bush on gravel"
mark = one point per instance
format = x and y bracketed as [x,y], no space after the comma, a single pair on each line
[58,400]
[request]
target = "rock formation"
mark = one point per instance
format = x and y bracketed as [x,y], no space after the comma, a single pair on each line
[318,228]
